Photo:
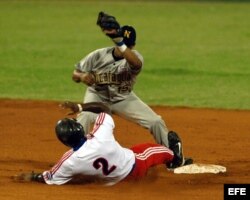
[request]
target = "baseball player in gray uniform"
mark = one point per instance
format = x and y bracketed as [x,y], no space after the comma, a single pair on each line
[110,74]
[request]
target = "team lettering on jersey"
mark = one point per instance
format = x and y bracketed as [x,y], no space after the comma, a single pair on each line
[111,78]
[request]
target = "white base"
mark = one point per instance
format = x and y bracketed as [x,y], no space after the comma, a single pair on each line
[200,168]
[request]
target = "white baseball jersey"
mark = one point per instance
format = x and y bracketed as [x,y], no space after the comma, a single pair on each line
[100,156]
[114,79]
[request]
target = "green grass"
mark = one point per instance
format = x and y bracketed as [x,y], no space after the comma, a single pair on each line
[196,53]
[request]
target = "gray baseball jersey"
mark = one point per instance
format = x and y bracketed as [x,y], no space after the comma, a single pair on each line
[114,80]
[114,84]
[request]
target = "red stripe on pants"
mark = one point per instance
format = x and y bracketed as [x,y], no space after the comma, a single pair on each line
[149,155]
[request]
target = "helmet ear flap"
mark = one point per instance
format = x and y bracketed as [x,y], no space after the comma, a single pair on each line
[69,132]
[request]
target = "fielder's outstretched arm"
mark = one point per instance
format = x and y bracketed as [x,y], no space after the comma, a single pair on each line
[95,107]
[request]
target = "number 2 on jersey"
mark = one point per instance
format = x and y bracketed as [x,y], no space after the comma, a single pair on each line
[102,162]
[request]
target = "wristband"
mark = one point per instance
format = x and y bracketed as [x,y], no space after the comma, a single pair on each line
[79,107]
[122,48]
[120,43]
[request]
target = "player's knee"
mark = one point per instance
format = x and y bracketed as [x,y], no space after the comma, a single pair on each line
[156,122]
[86,117]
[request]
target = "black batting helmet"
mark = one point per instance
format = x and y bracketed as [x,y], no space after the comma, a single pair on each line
[69,132]
[129,35]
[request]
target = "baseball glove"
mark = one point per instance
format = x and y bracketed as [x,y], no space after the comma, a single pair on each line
[110,27]
[107,22]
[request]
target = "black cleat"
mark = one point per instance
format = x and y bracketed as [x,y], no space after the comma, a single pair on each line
[188,161]
[175,145]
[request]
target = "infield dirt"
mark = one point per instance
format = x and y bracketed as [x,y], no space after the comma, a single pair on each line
[210,136]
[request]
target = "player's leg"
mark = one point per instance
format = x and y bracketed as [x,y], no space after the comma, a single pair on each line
[133,109]
[87,119]
[149,155]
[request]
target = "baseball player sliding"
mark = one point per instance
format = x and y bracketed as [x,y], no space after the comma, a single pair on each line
[110,74]
[97,156]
